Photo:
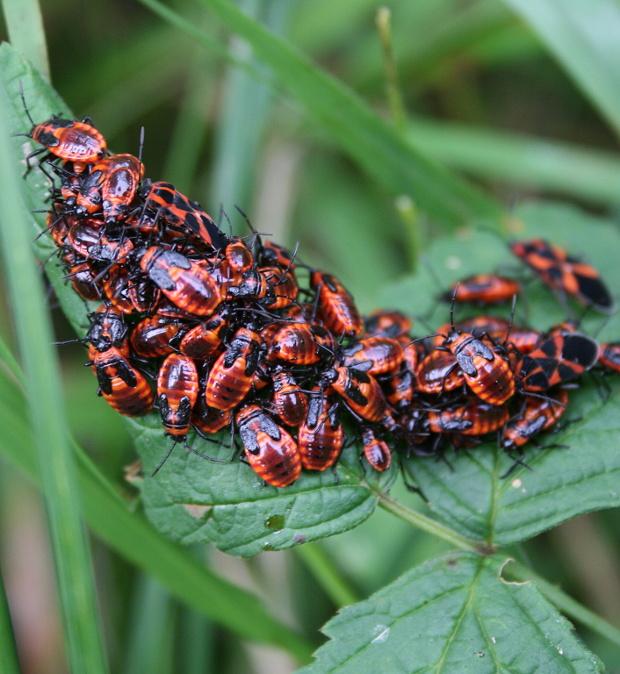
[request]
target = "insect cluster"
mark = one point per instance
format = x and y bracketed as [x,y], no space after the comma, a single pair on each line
[219,332]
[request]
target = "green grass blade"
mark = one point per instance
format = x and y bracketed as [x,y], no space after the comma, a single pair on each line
[583,36]
[56,467]
[521,160]
[190,129]
[326,574]
[131,536]
[149,628]
[26,33]
[247,102]
[354,126]
[8,651]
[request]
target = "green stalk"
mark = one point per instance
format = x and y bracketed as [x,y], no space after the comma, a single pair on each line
[395,99]
[43,388]
[150,627]
[412,222]
[427,524]
[326,574]
[25,27]
[8,651]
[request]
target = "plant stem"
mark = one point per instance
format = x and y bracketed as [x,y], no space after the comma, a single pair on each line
[326,574]
[427,524]
[8,650]
[410,217]
[395,99]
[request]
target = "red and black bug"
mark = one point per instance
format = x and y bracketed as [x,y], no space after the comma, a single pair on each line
[252,286]
[122,386]
[131,401]
[359,390]
[239,256]
[269,449]
[157,336]
[82,279]
[558,360]
[399,389]
[117,284]
[288,401]
[609,356]
[186,216]
[69,140]
[184,282]
[275,255]
[336,305]
[207,420]
[538,415]
[110,187]
[320,437]
[283,286]
[565,274]
[486,372]
[439,372]
[144,295]
[94,243]
[205,338]
[230,378]
[296,343]
[384,354]
[377,452]
[107,329]
[391,324]
[483,289]
[475,417]
[177,392]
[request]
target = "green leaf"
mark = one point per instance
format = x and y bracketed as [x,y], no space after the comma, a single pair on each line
[453,614]
[467,490]
[583,37]
[352,124]
[193,500]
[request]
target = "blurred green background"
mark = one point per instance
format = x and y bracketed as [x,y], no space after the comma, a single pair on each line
[480,93]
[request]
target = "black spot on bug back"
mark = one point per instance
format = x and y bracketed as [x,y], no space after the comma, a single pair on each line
[580,349]
[595,293]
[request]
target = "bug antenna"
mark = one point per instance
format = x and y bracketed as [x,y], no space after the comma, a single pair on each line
[512,315]
[224,214]
[141,146]
[293,256]
[246,218]
[174,444]
[203,456]
[23,96]
[454,294]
